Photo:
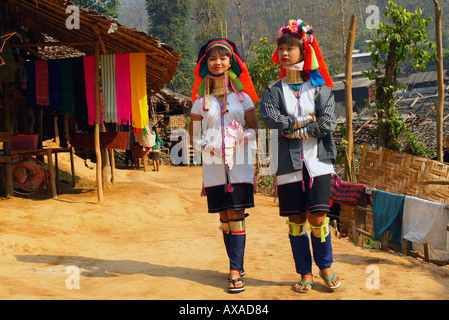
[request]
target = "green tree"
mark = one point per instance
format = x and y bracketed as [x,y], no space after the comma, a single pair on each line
[405,36]
[105,7]
[170,21]
[209,16]
[263,71]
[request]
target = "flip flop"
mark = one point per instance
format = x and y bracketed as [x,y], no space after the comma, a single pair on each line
[330,280]
[239,289]
[304,290]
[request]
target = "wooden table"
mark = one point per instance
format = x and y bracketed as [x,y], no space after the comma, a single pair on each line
[53,170]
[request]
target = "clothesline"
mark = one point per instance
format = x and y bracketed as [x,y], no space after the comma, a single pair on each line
[397,219]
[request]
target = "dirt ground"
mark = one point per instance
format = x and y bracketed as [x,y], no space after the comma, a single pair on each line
[152,239]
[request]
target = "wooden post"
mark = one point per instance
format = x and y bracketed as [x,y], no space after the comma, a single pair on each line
[360,220]
[51,173]
[348,99]
[426,252]
[55,123]
[72,151]
[385,239]
[439,104]
[97,124]
[112,164]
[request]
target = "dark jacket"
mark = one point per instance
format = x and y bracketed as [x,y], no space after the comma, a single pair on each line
[274,114]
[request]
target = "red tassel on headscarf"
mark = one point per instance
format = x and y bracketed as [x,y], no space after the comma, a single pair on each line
[322,65]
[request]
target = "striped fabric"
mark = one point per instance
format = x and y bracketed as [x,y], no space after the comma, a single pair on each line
[42,90]
[108,83]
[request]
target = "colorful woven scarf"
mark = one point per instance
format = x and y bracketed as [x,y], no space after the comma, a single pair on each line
[315,68]
[240,79]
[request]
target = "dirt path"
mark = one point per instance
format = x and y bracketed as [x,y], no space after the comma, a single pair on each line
[152,238]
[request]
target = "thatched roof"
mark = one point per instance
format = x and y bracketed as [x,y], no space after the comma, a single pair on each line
[169,102]
[49,17]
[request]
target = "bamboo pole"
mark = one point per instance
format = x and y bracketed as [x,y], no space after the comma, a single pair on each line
[97,124]
[348,98]
[439,104]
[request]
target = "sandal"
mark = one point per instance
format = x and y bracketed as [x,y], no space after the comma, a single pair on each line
[235,289]
[330,280]
[304,285]
[304,290]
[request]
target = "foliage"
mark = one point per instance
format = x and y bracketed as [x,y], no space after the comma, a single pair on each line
[106,7]
[405,37]
[263,71]
[170,23]
[209,18]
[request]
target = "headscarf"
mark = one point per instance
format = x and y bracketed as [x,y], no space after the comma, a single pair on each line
[240,79]
[314,68]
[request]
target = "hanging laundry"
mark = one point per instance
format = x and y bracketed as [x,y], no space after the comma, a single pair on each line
[42,90]
[123,86]
[89,78]
[387,214]
[139,100]
[79,90]
[30,93]
[68,100]
[348,192]
[54,83]
[109,91]
[425,221]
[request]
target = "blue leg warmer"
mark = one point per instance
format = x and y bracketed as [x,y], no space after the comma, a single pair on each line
[322,251]
[301,253]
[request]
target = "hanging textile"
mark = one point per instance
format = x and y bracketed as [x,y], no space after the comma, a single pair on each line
[109,91]
[139,102]
[79,91]
[30,93]
[66,72]
[42,90]
[54,83]
[89,78]
[123,86]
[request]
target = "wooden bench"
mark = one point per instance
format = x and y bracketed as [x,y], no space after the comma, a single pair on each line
[5,158]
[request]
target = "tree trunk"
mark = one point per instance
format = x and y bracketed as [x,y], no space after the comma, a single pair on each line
[348,99]
[386,96]
[439,104]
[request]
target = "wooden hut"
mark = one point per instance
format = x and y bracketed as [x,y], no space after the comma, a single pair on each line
[44,24]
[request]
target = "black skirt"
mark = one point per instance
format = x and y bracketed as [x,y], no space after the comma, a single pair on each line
[218,200]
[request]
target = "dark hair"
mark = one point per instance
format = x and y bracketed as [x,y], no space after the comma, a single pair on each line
[217,49]
[291,40]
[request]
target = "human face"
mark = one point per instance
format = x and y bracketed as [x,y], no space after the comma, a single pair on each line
[218,64]
[289,55]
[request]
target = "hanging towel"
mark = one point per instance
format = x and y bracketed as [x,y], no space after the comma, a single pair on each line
[68,103]
[348,192]
[139,103]
[387,215]
[89,82]
[425,221]
[79,90]
[109,91]
[31,84]
[123,85]
[42,91]
[54,83]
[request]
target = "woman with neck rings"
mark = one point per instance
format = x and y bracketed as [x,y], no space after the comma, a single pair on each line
[224,97]
[300,105]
